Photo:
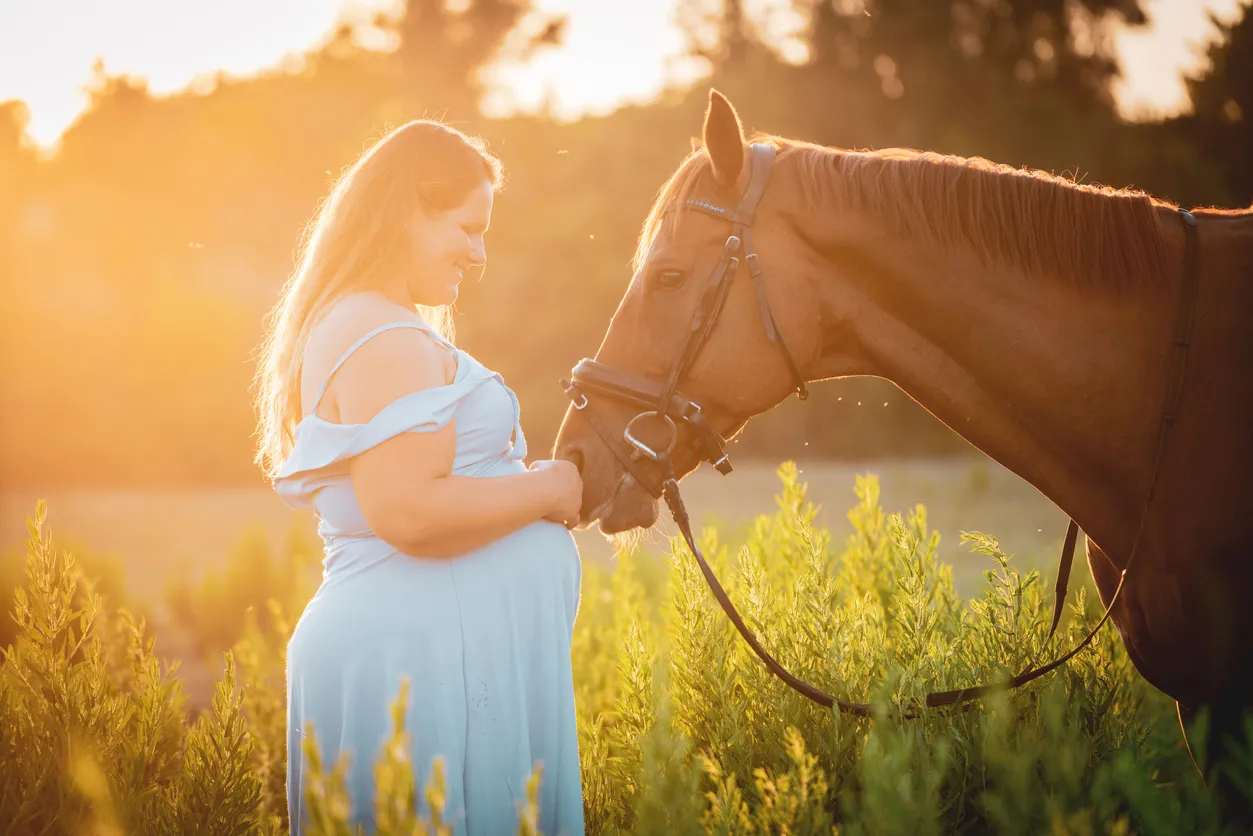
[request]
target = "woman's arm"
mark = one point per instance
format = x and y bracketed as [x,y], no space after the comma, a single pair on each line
[450,515]
[405,484]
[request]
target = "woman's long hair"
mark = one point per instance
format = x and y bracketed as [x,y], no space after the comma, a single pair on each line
[357,241]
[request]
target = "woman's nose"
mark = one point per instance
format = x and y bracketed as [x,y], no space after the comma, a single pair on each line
[478,253]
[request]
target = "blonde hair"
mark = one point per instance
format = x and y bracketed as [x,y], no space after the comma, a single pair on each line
[356,242]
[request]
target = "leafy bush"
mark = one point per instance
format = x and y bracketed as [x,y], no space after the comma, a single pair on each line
[212,609]
[103,572]
[682,730]
[95,736]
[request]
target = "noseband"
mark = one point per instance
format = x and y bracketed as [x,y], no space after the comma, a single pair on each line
[668,407]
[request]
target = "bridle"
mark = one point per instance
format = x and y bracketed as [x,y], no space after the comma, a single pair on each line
[665,405]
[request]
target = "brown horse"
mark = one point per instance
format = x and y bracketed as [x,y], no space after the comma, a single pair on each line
[1032,315]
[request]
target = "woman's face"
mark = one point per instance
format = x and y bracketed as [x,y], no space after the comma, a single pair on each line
[446,244]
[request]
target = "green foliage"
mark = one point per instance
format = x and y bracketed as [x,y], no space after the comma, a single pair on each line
[682,730]
[216,609]
[103,573]
[218,791]
[261,656]
[1089,749]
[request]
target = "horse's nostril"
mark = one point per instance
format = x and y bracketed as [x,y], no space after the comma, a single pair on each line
[570,452]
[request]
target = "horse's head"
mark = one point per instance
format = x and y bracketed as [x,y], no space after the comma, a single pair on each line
[693,350]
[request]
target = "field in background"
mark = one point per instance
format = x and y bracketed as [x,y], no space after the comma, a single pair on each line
[156,534]
[681,729]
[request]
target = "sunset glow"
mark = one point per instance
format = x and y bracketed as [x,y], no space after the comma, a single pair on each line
[612,55]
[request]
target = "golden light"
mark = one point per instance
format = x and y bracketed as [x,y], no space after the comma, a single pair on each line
[611,55]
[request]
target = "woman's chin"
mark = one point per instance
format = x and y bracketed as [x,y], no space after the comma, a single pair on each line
[445,297]
[452,290]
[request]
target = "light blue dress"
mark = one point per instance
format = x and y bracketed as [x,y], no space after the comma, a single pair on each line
[484,638]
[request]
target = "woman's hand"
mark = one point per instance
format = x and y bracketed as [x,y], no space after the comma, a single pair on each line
[564,486]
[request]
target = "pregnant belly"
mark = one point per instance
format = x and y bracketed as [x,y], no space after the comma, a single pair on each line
[540,550]
[531,572]
[544,548]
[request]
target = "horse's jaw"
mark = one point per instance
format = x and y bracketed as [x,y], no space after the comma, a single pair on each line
[629,507]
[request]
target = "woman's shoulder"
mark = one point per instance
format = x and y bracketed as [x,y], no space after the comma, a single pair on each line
[351,317]
[349,320]
[362,311]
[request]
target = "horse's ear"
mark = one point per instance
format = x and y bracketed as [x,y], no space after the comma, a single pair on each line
[724,137]
[697,144]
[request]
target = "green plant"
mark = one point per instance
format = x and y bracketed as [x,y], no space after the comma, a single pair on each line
[682,730]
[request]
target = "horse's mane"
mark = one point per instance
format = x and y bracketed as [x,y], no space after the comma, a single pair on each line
[1037,222]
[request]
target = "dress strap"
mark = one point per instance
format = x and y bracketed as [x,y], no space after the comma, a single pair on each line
[367,336]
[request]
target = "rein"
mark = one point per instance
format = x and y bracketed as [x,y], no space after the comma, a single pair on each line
[665,406]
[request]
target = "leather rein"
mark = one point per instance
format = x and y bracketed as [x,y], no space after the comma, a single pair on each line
[666,407]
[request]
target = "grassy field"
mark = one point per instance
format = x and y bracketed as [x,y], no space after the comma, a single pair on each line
[157,535]
[680,728]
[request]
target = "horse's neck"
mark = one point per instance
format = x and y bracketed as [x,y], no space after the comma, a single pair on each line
[1056,385]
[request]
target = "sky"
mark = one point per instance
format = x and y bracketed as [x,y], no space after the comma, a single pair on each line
[611,56]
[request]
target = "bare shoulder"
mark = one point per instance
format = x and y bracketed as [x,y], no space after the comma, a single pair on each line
[389,364]
[351,317]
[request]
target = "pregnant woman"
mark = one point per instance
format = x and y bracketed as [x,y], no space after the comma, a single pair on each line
[447,560]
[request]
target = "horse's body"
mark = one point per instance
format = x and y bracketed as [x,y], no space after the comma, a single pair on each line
[1065,386]
[1032,316]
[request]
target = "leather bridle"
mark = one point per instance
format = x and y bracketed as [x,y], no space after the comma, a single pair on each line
[663,404]
[666,406]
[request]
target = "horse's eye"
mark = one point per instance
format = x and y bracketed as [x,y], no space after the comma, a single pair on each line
[670,278]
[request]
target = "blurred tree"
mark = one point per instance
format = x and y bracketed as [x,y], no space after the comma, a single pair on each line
[444,45]
[15,151]
[1021,39]
[17,168]
[1020,81]
[17,164]
[720,33]
[1222,104]
[138,259]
